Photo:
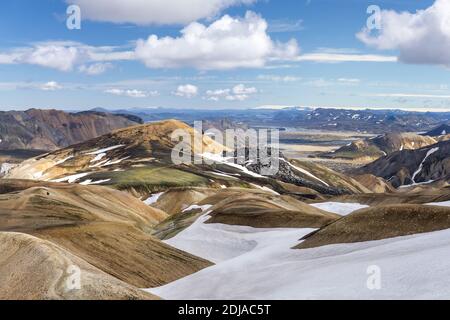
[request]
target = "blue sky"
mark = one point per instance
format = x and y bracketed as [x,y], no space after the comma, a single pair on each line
[224,54]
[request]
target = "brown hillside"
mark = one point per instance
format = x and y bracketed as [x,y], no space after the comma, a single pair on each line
[379,223]
[107,228]
[126,253]
[374,184]
[268,211]
[63,204]
[34,269]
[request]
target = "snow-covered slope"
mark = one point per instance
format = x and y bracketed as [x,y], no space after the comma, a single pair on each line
[220,242]
[260,264]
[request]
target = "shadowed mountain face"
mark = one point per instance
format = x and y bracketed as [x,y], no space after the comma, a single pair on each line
[52,129]
[442,130]
[413,167]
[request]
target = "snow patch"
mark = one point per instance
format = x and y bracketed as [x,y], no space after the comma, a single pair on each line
[340,208]
[416,184]
[90,182]
[63,160]
[72,178]
[6,167]
[38,175]
[439,204]
[99,157]
[94,153]
[194,207]
[222,175]
[112,162]
[220,159]
[264,188]
[99,164]
[153,198]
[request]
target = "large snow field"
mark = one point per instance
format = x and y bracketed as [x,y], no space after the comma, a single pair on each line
[261,264]
[219,242]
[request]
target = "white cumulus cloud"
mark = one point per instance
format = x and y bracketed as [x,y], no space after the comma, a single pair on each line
[238,93]
[95,68]
[336,58]
[225,44]
[53,56]
[187,91]
[422,37]
[132,93]
[66,56]
[278,78]
[50,86]
[242,89]
[349,80]
[145,12]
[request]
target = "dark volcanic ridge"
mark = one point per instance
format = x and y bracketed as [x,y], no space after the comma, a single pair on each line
[413,167]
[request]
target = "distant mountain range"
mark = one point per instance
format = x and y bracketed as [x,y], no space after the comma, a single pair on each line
[53,129]
[371,121]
